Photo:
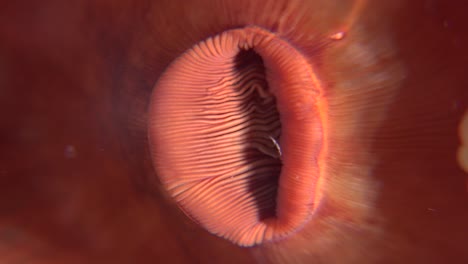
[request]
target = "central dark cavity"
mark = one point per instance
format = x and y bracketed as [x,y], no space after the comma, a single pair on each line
[262,133]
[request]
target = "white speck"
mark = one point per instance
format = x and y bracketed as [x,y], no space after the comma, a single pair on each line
[431,209]
[338,36]
[278,148]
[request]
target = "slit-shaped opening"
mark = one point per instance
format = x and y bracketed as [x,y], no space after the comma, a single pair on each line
[236,135]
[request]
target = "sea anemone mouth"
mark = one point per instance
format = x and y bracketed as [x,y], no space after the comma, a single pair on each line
[236,133]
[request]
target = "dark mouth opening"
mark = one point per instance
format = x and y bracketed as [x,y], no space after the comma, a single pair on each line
[262,131]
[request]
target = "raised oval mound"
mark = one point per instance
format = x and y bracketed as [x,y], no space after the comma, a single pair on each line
[239,137]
